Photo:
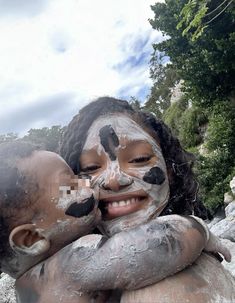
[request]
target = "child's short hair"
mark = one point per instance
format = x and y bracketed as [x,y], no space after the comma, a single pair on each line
[13,193]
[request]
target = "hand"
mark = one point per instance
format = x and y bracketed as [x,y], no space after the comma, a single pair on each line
[214,244]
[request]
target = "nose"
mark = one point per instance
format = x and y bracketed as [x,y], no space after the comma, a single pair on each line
[116,182]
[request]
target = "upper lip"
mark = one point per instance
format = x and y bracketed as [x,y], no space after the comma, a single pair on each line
[116,198]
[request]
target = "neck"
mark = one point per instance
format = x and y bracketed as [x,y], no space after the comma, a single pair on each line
[17,265]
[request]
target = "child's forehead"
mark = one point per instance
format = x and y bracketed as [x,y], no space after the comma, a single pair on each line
[44,164]
[74,180]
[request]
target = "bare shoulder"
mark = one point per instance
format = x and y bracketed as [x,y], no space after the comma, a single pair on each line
[205,281]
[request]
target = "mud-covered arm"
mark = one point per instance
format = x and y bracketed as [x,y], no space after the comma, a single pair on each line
[138,257]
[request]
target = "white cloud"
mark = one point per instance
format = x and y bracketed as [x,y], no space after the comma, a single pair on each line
[71,47]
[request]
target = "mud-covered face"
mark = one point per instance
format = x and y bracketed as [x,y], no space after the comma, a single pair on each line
[63,205]
[127,167]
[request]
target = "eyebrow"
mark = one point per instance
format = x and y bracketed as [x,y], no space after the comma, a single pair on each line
[134,142]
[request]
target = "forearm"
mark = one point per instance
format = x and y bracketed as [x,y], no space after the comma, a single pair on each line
[138,257]
[46,283]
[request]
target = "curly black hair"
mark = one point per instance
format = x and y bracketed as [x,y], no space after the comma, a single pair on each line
[183,186]
[13,193]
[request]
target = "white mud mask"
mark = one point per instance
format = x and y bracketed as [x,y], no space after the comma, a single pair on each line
[117,139]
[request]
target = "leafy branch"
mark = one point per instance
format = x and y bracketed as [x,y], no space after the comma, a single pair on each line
[194,14]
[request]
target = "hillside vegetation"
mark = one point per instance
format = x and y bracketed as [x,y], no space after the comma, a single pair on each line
[199,48]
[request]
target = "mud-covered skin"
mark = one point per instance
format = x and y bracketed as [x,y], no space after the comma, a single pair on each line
[30,289]
[140,256]
[129,260]
[136,165]
[27,294]
[205,281]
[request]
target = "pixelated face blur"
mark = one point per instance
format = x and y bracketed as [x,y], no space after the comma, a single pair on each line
[61,207]
[127,167]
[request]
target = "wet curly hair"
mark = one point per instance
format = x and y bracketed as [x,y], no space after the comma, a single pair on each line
[13,193]
[183,186]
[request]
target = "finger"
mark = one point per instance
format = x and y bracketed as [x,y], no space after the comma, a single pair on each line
[223,250]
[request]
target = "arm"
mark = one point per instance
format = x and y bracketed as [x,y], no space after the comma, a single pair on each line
[138,257]
[204,281]
[129,260]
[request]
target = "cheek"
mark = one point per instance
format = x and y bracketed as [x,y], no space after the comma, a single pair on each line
[97,179]
[137,172]
[155,176]
[79,210]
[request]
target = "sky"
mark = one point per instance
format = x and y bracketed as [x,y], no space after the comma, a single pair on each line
[58,55]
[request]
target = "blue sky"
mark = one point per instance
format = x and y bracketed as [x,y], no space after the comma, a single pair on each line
[58,55]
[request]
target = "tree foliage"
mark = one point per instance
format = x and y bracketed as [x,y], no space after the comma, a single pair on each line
[206,64]
[48,138]
[197,15]
[8,137]
[173,114]
[221,127]
[164,79]
[200,43]
[192,127]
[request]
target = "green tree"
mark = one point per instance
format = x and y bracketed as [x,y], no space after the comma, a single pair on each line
[164,78]
[192,126]
[207,64]
[48,138]
[221,128]
[8,137]
[135,103]
[196,16]
[200,40]
[172,116]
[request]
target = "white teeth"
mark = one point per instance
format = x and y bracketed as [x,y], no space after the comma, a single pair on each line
[123,203]
[133,200]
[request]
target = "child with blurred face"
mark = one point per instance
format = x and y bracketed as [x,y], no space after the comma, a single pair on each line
[43,207]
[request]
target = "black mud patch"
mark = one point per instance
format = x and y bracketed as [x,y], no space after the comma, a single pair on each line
[155,176]
[81,209]
[109,140]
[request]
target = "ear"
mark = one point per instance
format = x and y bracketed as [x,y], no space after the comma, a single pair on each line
[28,240]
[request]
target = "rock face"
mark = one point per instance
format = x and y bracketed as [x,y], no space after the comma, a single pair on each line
[176,92]
[225,228]
[232,185]
[230,266]
[223,225]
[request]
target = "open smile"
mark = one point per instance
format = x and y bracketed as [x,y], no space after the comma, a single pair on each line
[121,205]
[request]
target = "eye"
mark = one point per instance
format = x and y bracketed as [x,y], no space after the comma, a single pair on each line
[89,169]
[141,159]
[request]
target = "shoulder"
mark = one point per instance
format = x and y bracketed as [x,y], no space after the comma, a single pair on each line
[205,281]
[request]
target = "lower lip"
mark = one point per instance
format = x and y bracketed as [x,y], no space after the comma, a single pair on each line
[118,211]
